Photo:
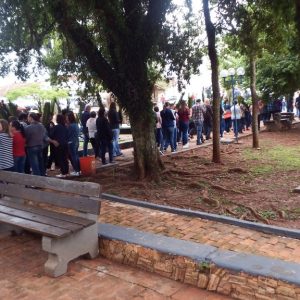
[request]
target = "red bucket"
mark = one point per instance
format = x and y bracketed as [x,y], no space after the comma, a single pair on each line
[87,165]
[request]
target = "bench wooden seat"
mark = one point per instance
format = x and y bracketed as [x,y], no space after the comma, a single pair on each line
[65,236]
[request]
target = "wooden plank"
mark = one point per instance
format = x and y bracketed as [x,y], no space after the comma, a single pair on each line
[77,202]
[40,219]
[43,229]
[48,213]
[69,186]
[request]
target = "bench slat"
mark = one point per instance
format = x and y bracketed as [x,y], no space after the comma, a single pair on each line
[76,187]
[40,219]
[54,215]
[46,230]
[79,203]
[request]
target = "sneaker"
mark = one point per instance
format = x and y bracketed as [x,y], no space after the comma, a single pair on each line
[161,152]
[120,154]
[75,173]
[186,146]
[174,151]
[61,176]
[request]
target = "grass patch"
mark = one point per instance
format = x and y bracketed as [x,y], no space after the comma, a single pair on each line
[278,158]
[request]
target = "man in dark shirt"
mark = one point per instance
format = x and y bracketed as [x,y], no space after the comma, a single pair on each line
[84,117]
[167,118]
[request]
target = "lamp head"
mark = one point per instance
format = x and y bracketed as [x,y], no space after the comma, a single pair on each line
[240,71]
[231,71]
[224,73]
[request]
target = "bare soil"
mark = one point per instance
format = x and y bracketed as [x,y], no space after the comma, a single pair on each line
[250,184]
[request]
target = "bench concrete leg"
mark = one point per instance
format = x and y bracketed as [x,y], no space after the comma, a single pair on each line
[62,251]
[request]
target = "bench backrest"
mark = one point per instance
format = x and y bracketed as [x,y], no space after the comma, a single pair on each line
[80,196]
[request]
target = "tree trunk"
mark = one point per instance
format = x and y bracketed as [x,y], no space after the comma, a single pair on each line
[255,135]
[147,161]
[213,56]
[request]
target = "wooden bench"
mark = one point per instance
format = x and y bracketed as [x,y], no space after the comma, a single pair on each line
[281,121]
[64,212]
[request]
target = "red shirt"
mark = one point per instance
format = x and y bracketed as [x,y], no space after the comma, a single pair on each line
[18,144]
[184,115]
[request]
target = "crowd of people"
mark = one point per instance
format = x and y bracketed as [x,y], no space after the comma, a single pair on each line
[28,146]
[176,124]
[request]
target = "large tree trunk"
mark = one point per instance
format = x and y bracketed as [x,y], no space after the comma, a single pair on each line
[255,138]
[147,162]
[138,106]
[213,56]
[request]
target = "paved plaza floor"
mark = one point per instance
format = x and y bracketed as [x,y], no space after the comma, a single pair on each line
[22,277]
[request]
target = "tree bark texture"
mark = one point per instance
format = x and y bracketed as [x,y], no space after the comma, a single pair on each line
[255,134]
[213,56]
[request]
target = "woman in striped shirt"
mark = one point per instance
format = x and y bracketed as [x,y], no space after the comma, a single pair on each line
[6,148]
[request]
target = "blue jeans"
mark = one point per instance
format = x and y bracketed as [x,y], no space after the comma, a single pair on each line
[19,164]
[159,138]
[168,134]
[236,127]
[85,144]
[207,130]
[199,127]
[35,156]
[227,124]
[73,151]
[183,128]
[222,126]
[116,147]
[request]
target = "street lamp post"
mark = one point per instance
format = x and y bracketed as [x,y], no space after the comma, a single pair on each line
[240,72]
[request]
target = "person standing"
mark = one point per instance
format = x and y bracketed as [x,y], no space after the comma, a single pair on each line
[158,130]
[92,130]
[236,117]
[227,116]
[18,134]
[59,134]
[35,134]
[208,119]
[73,142]
[84,117]
[105,136]
[183,120]
[114,122]
[6,147]
[168,119]
[198,117]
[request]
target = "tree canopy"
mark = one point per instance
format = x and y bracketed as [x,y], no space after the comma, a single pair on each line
[124,45]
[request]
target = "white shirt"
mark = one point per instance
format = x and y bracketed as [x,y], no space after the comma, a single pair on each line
[91,125]
[237,112]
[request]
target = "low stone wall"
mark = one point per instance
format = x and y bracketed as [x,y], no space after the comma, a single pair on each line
[201,274]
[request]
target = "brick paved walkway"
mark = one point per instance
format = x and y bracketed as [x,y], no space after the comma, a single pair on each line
[22,277]
[213,233]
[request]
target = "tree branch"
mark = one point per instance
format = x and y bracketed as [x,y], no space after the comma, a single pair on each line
[83,41]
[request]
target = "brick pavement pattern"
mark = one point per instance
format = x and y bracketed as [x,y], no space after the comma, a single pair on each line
[217,234]
[22,277]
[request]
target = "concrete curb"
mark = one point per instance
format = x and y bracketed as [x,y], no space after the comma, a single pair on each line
[239,262]
[282,231]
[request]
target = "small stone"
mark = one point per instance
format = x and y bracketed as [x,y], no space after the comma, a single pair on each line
[286,291]
[213,282]
[202,281]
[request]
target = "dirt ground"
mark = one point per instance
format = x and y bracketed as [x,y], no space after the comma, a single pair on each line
[250,184]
